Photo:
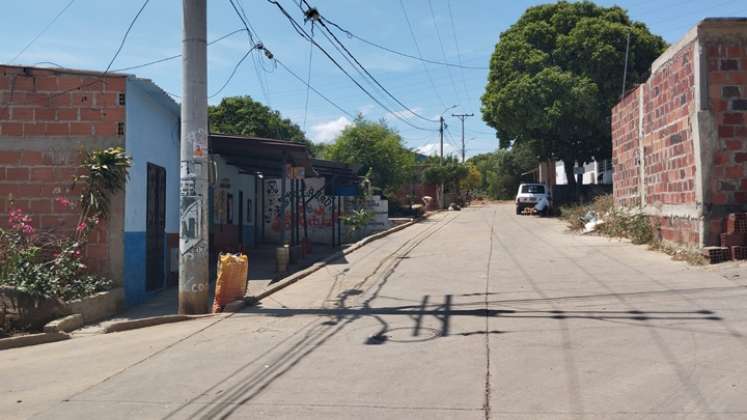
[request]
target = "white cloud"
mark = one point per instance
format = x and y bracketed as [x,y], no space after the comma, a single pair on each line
[326,132]
[434,149]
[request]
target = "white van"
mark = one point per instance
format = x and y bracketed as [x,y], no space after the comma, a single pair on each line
[533,195]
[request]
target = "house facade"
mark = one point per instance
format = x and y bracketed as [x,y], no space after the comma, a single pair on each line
[48,117]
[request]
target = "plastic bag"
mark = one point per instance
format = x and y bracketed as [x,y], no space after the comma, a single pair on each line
[231,282]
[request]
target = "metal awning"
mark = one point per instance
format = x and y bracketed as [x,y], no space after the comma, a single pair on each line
[333,169]
[257,154]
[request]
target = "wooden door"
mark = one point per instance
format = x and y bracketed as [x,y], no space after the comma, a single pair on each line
[155,229]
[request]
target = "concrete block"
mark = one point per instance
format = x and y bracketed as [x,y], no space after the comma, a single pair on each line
[66,324]
[99,306]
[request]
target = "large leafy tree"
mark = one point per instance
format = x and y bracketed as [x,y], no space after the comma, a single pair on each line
[500,171]
[377,148]
[448,172]
[556,73]
[244,116]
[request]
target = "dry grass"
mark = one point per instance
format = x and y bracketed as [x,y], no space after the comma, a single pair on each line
[619,223]
[689,255]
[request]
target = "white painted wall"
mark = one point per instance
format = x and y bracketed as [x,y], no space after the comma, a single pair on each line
[151,135]
[230,181]
[318,211]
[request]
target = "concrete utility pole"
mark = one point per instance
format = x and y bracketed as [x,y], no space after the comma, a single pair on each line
[462,117]
[441,131]
[193,197]
[441,128]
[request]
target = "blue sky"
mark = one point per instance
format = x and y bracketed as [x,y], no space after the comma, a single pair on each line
[88,33]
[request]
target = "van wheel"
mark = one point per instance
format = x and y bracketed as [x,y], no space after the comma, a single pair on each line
[518,210]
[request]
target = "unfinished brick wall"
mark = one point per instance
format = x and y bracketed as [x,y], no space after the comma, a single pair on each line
[694,135]
[668,148]
[727,93]
[47,119]
[727,96]
[625,149]
[663,145]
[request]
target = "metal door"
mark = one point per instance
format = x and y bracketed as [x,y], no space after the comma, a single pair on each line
[155,229]
[241,221]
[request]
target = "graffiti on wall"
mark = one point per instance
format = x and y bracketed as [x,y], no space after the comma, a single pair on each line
[318,207]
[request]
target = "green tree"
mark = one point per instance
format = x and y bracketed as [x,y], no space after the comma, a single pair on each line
[501,170]
[244,116]
[449,172]
[556,73]
[375,147]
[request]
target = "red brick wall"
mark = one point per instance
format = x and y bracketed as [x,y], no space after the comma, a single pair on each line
[668,148]
[727,94]
[668,145]
[625,149]
[669,152]
[40,102]
[47,118]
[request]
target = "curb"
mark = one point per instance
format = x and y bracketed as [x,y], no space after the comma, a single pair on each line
[149,322]
[31,339]
[287,281]
[64,324]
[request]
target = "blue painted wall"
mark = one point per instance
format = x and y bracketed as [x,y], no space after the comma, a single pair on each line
[151,136]
[134,250]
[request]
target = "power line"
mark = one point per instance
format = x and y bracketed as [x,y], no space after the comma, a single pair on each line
[420,54]
[459,52]
[51,22]
[233,73]
[405,107]
[127,32]
[300,79]
[241,13]
[119,50]
[443,51]
[313,14]
[270,56]
[400,53]
[174,57]
[299,29]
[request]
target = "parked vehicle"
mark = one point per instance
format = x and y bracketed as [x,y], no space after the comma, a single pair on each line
[536,196]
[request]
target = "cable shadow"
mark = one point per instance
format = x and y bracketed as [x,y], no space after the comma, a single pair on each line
[257,380]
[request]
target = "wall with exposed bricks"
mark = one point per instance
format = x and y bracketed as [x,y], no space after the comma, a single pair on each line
[47,119]
[625,149]
[680,139]
[727,96]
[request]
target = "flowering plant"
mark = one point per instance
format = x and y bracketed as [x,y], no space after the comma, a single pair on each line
[49,264]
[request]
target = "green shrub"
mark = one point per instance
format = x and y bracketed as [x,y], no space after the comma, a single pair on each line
[49,264]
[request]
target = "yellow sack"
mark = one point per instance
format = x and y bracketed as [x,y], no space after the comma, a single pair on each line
[231,282]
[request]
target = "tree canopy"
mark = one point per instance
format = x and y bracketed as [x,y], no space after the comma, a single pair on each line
[500,171]
[376,147]
[556,73]
[449,172]
[244,116]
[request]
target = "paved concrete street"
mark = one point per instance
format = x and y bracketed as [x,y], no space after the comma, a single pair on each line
[468,315]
